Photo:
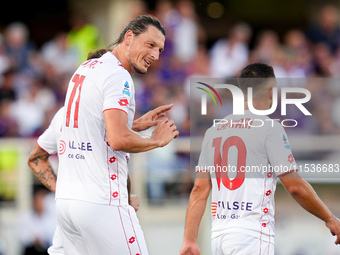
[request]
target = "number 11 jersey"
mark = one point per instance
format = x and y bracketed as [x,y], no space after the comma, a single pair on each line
[89,169]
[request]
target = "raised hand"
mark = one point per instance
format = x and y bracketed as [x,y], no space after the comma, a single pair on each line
[151,118]
[164,132]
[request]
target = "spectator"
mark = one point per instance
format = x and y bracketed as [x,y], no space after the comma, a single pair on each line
[8,125]
[17,46]
[4,60]
[327,30]
[168,16]
[58,55]
[36,226]
[267,47]
[28,112]
[286,65]
[229,56]
[83,37]
[7,91]
[186,32]
[323,60]
[296,41]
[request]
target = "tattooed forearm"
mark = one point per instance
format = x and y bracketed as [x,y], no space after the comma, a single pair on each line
[41,167]
[46,176]
[36,155]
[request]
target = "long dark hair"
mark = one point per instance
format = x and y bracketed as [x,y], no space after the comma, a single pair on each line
[138,26]
[97,53]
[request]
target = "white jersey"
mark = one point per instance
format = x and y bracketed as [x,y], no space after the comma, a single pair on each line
[89,169]
[49,140]
[246,160]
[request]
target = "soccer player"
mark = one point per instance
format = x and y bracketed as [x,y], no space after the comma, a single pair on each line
[97,133]
[243,207]
[48,143]
[38,161]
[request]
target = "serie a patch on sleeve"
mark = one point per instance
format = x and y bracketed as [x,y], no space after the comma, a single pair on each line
[126,88]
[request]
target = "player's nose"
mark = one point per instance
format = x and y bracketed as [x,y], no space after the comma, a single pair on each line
[155,54]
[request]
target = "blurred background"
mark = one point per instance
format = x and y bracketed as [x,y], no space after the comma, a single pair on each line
[41,45]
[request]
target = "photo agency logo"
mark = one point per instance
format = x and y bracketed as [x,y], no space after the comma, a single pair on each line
[239,103]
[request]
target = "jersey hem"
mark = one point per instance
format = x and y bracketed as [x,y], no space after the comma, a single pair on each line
[44,149]
[293,170]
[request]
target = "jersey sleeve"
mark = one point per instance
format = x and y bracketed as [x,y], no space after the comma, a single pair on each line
[118,92]
[278,150]
[204,163]
[48,141]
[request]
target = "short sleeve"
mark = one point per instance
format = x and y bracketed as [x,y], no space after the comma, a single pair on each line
[49,140]
[278,150]
[203,161]
[118,92]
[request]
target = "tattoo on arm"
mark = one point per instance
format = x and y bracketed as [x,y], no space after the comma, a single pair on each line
[41,167]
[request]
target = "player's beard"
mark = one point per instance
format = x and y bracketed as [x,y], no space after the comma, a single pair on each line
[134,64]
[138,70]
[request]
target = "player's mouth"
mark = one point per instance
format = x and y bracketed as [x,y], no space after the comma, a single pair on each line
[147,62]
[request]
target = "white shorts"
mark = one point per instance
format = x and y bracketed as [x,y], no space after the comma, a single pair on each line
[240,244]
[57,247]
[92,229]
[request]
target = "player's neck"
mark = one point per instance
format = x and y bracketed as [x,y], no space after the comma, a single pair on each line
[120,54]
[258,105]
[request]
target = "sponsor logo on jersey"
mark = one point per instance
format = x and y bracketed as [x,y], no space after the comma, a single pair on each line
[83,146]
[78,146]
[230,209]
[235,205]
[126,89]
[132,240]
[285,142]
[62,147]
[290,158]
[123,102]
[213,209]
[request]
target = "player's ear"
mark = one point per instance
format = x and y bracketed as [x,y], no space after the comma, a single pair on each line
[128,37]
[271,93]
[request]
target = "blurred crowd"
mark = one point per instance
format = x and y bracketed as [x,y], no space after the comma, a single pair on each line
[33,80]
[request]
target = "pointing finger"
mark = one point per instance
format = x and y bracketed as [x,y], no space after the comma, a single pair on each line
[163,108]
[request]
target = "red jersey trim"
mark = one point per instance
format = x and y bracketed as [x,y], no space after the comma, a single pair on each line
[115,109]
[293,170]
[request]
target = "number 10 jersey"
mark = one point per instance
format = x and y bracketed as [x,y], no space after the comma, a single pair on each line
[245,155]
